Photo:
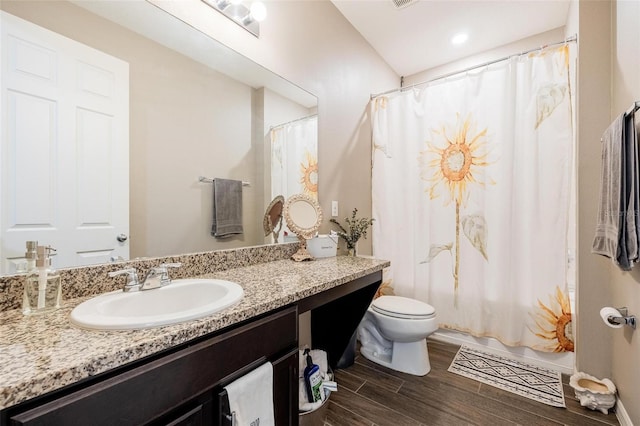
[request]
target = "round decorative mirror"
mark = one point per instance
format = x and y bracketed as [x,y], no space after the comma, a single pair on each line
[304,216]
[273,218]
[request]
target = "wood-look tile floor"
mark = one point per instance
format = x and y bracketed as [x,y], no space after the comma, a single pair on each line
[369,394]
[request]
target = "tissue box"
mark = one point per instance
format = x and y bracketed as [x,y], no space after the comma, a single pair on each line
[323,246]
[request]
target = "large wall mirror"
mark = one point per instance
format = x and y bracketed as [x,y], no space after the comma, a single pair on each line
[185,105]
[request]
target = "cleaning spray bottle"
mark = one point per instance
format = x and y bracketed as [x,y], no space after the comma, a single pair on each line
[312,379]
[42,290]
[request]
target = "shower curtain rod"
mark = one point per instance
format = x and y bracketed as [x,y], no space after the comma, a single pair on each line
[400,89]
[293,121]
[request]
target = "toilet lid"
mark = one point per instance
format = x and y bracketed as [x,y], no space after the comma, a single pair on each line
[403,307]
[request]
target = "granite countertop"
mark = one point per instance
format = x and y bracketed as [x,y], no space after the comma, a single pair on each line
[39,354]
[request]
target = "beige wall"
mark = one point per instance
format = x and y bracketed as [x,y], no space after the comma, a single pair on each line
[593,338]
[608,83]
[324,54]
[185,120]
[311,44]
[625,287]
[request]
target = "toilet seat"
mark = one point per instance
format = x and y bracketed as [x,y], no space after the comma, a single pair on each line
[403,307]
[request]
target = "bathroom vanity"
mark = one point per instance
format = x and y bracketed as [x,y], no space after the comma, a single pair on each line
[53,373]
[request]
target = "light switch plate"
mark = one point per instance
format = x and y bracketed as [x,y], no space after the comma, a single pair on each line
[334,208]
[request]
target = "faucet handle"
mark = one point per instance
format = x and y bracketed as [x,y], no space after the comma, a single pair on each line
[132,278]
[163,269]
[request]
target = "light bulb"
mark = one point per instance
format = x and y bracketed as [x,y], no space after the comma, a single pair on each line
[258,11]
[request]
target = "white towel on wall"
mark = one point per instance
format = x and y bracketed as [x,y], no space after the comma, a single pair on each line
[251,397]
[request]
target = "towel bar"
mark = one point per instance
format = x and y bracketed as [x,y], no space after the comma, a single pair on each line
[210,180]
[232,418]
[634,108]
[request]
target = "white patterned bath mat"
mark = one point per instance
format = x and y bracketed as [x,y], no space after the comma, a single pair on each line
[540,384]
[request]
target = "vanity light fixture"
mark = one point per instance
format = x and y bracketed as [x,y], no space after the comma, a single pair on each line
[459,38]
[248,17]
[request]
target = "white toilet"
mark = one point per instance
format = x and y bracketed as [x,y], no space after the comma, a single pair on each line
[393,333]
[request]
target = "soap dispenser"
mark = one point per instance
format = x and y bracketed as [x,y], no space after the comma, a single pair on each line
[31,255]
[43,289]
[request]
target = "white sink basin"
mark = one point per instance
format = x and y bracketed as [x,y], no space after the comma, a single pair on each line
[180,301]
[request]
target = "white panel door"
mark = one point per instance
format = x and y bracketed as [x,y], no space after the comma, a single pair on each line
[64,123]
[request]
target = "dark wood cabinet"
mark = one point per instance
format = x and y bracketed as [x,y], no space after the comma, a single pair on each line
[285,393]
[177,388]
[197,412]
[185,385]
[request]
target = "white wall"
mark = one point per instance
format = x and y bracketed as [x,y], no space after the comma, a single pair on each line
[514,48]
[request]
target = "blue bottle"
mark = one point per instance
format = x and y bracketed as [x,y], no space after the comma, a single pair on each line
[312,379]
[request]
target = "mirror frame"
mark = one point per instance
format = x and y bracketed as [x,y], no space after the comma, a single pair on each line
[303,233]
[268,223]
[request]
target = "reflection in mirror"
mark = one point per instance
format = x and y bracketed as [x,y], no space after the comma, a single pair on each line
[303,216]
[272,222]
[294,161]
[185,115]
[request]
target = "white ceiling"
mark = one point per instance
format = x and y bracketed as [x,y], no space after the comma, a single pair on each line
[417,37]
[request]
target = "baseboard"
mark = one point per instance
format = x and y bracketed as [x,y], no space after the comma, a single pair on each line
[622,415]
[497,348]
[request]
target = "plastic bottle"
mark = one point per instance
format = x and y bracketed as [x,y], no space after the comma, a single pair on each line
[312,380]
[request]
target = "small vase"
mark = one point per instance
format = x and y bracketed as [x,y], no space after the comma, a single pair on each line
[352,251]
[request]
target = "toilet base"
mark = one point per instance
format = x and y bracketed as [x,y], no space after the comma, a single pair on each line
[411,358]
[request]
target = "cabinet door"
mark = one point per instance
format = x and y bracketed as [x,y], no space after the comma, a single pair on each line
[285,392]
[197,412]
[285,389]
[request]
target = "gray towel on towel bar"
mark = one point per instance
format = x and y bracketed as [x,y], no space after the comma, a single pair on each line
[631,194]
[606,241]
[617,230]
[227,208]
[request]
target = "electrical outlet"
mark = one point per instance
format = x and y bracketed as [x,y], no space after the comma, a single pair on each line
[334,208]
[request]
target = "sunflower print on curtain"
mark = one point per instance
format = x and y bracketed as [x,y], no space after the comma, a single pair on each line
[471,180]
[294,158]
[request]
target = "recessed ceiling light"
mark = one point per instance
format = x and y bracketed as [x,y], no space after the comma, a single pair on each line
[459,38]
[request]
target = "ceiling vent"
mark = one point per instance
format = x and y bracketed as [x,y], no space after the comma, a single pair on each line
[401,4]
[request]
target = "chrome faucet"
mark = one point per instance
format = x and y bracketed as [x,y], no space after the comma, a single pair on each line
[156,277]
[132,283]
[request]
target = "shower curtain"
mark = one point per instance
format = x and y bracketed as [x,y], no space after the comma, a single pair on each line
[471,184]
[294,158]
